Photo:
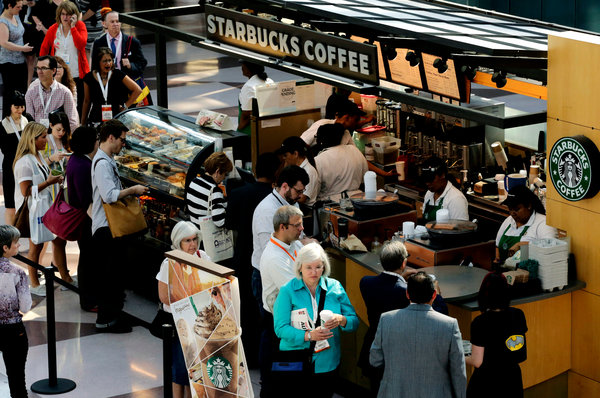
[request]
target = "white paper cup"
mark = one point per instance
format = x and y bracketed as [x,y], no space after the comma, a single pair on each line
[325,316]
[401,170]
[442,215]
[408,229]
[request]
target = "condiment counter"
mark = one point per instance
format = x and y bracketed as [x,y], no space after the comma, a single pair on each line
[548,317]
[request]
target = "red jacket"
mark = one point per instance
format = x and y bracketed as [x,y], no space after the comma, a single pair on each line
[79,33]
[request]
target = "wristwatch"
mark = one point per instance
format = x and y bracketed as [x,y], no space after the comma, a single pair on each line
[309,335]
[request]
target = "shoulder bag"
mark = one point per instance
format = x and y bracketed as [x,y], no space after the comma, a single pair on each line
[290,368]
[218,241]
[125,216]
[22,218]
[64,220]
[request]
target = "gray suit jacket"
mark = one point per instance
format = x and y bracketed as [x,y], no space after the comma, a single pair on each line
[422,354]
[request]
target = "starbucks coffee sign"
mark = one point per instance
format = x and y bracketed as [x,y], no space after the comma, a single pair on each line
[574,167]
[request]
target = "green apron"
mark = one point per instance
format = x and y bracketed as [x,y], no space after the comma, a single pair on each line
[430,210]
[506,242]
[248,129]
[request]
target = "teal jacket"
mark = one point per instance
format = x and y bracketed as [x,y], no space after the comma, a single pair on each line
[295,295]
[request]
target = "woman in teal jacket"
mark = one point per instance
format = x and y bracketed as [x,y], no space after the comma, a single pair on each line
[295,313]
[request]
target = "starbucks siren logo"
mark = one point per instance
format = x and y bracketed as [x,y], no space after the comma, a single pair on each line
[219,371]
[571,162]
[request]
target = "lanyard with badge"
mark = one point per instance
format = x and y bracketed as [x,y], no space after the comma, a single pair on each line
[45,121]
[14,126]
[106,108]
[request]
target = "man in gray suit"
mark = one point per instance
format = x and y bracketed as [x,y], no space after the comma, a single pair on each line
[419,348]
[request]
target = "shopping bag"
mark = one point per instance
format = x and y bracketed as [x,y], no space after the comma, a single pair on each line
[64,220]
[39,206]
[218,242]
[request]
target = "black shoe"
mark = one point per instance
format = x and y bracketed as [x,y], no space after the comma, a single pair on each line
[118,327]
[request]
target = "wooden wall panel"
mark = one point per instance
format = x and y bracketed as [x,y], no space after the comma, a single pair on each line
[572,72]
[548,353]
[354,273]
[586,329]
[580,386]
[582,226]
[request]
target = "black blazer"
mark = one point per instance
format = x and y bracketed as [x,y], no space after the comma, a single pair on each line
[136,57]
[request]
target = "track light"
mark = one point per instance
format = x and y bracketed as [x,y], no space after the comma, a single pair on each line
[389,52]
[469,71]
[499,78]
[440,64]
[412,58]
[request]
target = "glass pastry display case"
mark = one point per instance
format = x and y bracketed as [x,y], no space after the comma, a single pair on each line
[163,147]
[165,150]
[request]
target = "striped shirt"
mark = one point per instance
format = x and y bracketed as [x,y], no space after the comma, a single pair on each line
[197,199]
[58,96]
[14,292]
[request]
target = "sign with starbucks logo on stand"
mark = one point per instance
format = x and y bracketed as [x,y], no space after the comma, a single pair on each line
[574,167]
[205,301]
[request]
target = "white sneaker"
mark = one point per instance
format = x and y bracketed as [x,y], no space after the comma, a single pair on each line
[74,283]
[38,290]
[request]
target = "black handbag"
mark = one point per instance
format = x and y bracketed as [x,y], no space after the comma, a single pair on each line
[292,364]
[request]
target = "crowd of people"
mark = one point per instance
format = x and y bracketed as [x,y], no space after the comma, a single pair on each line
[60,128]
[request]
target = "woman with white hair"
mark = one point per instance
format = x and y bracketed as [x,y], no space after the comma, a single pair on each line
[186,237]
[301,298]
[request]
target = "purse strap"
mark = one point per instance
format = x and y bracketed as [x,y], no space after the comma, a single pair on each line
[318,320]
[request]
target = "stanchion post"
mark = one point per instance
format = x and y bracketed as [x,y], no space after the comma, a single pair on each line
[167,334]
[53,384]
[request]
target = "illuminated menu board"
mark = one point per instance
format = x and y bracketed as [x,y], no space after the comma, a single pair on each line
[379,55]
[403,73]
[445,84]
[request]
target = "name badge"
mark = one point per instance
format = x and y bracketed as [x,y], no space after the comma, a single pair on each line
[45,122]
[106,113]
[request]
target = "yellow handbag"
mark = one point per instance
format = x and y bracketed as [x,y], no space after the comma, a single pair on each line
[125,217]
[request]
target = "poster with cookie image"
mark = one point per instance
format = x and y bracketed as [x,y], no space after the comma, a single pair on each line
[211,337]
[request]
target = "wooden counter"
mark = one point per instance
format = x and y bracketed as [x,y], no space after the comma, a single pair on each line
[548,318]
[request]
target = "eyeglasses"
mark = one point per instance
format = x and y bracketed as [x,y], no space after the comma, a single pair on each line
[298,191]
[123,139]
[297,226]
[190,240]
[316,269]
[42,68]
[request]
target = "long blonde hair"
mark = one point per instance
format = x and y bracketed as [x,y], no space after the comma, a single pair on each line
[27,143]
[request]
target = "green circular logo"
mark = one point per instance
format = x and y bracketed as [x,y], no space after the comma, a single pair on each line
[219,371]
[571,163]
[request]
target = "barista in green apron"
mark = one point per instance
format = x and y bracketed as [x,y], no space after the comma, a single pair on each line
[430,209]
[506,242]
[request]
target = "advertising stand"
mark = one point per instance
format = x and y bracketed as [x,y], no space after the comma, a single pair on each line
[205,301]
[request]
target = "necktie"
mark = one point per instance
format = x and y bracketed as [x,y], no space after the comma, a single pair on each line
[113,47]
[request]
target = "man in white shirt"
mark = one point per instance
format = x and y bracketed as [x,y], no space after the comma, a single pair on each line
[108,264]
[276,269]
[341,167]
[45,95]
[277,260]
[348,116]
[290,185]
